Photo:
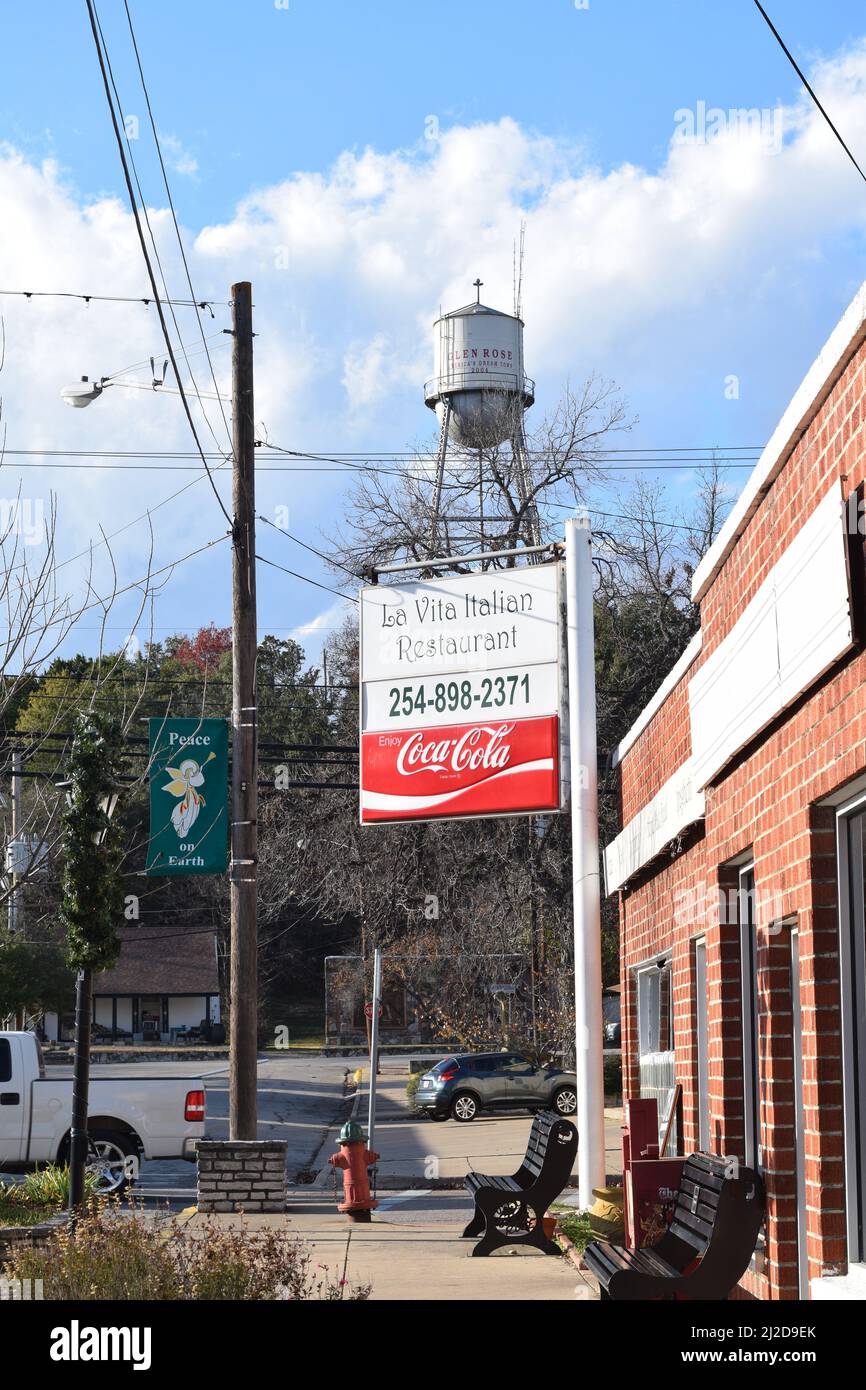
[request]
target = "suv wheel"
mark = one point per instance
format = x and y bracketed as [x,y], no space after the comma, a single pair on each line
[565,1100]
[464,1107]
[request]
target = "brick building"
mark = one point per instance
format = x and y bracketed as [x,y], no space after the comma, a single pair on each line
[740,865]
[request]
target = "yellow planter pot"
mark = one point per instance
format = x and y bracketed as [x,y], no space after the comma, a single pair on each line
[606,1216]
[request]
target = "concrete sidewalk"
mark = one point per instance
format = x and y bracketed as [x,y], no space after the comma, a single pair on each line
[412,1251]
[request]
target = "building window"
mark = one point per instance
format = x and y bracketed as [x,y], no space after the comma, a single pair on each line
[702,1045]
[655,1036]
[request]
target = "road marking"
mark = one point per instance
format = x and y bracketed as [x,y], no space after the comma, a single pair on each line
[398,1197]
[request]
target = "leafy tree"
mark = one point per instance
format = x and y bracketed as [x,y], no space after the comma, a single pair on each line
[92,884]
[33,976]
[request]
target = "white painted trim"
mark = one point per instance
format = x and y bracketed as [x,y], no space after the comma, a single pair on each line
[793,629]
[850,1287]
[810,395]
[676,805]
[669,683]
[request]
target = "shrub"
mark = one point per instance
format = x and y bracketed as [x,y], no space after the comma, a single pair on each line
[112,1255]
[412,1087]
[613,1076]
[575,1224]
[38,1196]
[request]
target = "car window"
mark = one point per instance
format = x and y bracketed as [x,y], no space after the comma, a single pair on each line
[445,1065]
[5,1060]
[484,1064]
[518,1066]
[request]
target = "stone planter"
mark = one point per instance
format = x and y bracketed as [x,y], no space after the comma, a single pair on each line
[14,1238]
[241,1175]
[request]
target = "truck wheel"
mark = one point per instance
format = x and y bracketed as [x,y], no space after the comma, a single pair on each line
[108,1158]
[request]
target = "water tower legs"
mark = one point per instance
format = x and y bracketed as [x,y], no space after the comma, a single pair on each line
[440,474]
[524,484]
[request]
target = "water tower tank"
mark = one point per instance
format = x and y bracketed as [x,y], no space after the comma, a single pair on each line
[479,369]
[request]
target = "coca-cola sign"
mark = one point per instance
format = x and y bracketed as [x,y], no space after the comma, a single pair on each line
[498,767]
[460,695]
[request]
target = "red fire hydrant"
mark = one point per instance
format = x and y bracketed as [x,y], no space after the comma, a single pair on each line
[354,1158]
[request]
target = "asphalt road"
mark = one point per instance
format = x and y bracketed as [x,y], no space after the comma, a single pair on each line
[299,1100]
[302,1099]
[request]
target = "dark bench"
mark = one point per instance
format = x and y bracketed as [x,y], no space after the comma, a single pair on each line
[707,1247]
[510,1211]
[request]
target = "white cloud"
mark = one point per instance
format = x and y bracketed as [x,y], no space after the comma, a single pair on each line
[178,159]
[641,274]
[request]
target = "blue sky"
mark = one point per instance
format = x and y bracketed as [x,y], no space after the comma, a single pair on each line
[257,91]
[297,139]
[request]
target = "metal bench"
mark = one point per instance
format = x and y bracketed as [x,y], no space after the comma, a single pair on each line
[707,1247]
[510,1210]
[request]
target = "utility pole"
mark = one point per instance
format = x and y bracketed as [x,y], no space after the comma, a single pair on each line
[244,836]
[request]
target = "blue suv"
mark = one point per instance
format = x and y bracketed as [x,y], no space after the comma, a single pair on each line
[463,1085]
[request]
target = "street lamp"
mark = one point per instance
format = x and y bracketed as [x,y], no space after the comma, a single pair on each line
[84,391]
[80,393]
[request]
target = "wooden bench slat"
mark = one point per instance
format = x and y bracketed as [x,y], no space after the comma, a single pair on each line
[703,1179]
[688,1234]
[704,1214]
[708,1196]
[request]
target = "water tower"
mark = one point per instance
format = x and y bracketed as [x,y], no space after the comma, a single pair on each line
[480,391]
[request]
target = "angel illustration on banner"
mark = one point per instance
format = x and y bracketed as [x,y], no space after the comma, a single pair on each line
[186,778]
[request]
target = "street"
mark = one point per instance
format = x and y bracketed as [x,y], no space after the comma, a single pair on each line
[299,1099]
[303,1099]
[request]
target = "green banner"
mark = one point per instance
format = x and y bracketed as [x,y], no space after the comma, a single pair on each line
[189,796]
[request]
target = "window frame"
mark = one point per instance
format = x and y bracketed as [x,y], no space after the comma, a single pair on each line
[702,1043]
[852,973]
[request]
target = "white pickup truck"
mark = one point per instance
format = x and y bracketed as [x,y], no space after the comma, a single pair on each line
[129,1119]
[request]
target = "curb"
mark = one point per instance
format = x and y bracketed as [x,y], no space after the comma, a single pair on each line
[571,1252]
[321,1179]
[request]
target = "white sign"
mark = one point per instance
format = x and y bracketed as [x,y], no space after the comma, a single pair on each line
[495,635]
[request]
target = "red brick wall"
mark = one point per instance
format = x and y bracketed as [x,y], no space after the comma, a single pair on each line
[767,803]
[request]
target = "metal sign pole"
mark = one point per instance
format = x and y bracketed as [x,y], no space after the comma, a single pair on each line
[374,1043]
[589,1062]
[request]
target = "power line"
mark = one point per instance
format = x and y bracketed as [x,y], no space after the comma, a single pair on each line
[276,468]
[307,580]
[136,583]
[312,549]
[144,251]
[145,361]
[146,300]
[146,215]
[174,215]
[798,70]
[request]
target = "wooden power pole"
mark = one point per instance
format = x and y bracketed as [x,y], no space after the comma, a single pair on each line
[244,834]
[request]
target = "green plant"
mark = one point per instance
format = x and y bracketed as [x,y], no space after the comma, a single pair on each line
[50,1186]
[613,1076]
[92,899]
[38,1196]
[412,1087]
[109,1254]
[575,1225]
[23,1214]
